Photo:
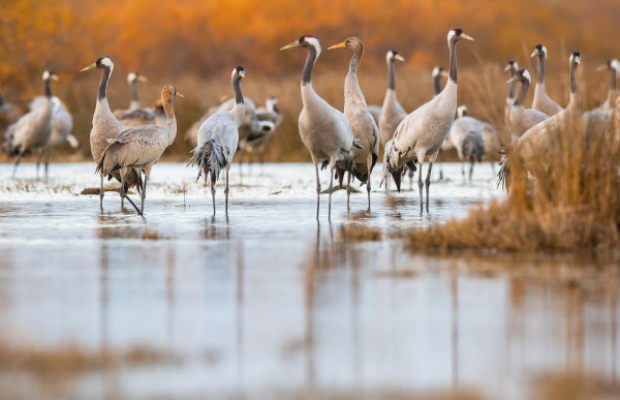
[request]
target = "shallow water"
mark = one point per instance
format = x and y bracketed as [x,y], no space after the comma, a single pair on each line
[267,301]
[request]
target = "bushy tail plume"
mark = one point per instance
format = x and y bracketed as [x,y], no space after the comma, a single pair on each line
[210,160]
[110,160]
[473,146]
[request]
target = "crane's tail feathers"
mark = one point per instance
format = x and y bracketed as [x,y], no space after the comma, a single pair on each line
[73,142]
[110,160]
[210,159]
[324,165]
[504,170]
[473,145]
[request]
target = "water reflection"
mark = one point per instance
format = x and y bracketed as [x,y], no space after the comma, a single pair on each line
[268,301]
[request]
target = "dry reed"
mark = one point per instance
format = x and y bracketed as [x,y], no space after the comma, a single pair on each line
[565,196]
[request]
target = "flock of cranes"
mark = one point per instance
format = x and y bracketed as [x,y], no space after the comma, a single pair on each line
[125,144]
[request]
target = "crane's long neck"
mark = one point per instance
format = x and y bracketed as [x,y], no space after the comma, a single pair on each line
[48,89]
[520,100]
[437,84]
[453,75]
[613,77]
[571,78]
[392,75]
[171,120]
[513,86]
[103,84]
[310,60]
[540,79]
[239,108]
[1,100]
[352,91]
[135,104]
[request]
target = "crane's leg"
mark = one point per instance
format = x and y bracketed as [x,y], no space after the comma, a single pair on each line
[318,186]
[348,188]
[19,158]
[369,164]
[241,166]
[147,173]
[421,184]
[122,190]
[226,190]
[101,193]
[262,157]
[410,179]
[47,163]
[428,184]
[471,168]
[440,167]
[39,161]
[332,164]
[212,192]
[463,169]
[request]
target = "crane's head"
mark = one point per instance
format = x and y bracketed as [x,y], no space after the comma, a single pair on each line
[134,77]
[522,75]
[575,58]
[457,34]
[310,42]
[461,111]
[512,67]
[49,75]
[352,43]
[438,72]
[169,92]
[540,51]
[104,62]
[238,73]
[392,56]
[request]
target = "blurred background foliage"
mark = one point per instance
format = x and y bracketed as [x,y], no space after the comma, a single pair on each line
[195,43]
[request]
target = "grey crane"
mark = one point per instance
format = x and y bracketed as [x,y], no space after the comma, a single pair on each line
[422,132]
[62,124]
[269,119]
[512,68]
[106,126]
[325,131]
[218,139]
[466,135]
[363,125]
[392,113]
[141,147]
[521,118]
[542,101]
[32,131]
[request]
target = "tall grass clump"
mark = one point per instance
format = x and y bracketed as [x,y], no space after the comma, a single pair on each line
[564,194]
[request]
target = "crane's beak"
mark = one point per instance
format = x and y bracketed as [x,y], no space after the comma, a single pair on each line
[535,53]
[91,66]
[602,68]
[337,46]
[513,79]
[54,77]
[508,68]
[180,95]
[142,78]
[290,45]
[400,58]
[242,74]
[444,74]
[466,37]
